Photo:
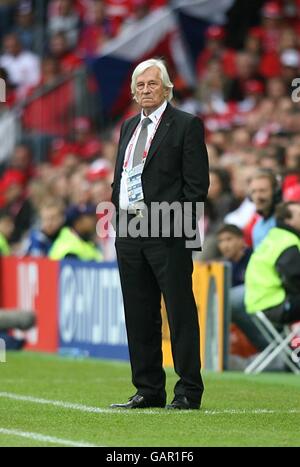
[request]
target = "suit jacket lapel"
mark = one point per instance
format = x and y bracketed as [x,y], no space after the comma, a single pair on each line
[160,134]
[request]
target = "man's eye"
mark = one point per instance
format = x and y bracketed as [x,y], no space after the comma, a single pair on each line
[150,85]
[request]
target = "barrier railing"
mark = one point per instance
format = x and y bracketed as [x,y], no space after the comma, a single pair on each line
[80,312]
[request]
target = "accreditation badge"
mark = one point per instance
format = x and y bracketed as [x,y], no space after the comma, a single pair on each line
[134,185]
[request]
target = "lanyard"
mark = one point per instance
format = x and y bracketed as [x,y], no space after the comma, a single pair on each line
[147,148]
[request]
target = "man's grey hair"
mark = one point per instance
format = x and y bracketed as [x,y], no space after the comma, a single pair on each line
[143,66]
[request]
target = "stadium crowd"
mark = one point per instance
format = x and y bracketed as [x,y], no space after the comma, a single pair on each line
[246,93]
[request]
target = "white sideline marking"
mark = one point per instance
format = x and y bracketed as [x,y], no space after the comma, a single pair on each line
[250,412]
[62,404]
[45,439]
[98,410]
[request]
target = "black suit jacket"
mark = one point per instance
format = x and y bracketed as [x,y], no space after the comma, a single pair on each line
[176,168]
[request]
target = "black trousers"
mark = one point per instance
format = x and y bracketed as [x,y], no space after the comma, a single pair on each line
[149,267]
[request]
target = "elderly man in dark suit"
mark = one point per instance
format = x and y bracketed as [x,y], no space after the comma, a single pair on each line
[161,163]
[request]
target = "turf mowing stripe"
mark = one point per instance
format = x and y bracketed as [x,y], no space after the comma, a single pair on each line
[97,410]
[45,439]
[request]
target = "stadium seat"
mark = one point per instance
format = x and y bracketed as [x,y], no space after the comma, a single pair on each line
[279,345]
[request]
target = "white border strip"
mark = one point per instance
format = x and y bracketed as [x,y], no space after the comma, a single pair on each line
[97,410]
[45,439]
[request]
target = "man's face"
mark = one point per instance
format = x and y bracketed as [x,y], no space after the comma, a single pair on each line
[294,221]
[150,92]
[64,7]
[11,45]
[261,192]
[58,45]
[51,220]
[230,245]
[21,158]
[13,192]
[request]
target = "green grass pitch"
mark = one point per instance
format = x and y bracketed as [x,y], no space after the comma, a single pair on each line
[47,400]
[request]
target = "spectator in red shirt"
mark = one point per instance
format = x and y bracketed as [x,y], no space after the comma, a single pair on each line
[48,113]
[270,65]
[21,161]
[12,189]
[253,94]
[59,48]
[246,69]
[88,144]
[95,33]
[253,41]
[271,26]
[118,11]
[84,143]
[215,49]
[269,34]
[20,164]
[50,73]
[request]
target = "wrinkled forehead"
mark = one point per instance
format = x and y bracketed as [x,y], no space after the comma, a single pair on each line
[153,72]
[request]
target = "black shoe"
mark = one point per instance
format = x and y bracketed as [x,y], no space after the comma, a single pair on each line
[138,402]
[182,403]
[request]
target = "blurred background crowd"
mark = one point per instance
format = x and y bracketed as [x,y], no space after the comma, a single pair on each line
[58,147]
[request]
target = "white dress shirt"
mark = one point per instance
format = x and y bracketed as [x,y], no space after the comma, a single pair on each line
[152,127]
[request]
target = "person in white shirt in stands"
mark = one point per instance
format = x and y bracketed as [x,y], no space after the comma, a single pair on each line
[63,17]
[22,66]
